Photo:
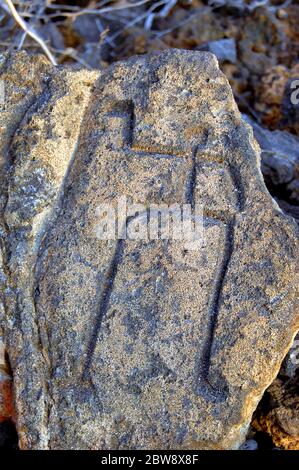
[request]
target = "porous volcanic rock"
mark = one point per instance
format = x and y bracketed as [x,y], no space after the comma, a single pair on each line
[278,414]
[134,343]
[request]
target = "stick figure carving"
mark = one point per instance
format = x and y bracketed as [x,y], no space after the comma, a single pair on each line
[120,124]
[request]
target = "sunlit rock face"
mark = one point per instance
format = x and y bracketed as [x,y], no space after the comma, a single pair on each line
[128,340]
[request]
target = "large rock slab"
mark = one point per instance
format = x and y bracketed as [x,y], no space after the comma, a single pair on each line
[133,343]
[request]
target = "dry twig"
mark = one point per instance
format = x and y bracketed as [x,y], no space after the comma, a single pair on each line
[29,30]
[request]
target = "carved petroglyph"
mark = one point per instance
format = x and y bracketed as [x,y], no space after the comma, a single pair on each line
[120,131]
[142,343]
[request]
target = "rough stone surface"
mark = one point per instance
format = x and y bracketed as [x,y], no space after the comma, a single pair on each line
[280,414]
[135,344]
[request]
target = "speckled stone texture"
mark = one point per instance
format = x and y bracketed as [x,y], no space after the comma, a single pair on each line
[138,344]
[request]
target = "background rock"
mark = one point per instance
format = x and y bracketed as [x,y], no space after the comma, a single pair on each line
[280,165]
[278,412]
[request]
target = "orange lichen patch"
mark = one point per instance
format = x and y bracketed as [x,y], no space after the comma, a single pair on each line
[6,398]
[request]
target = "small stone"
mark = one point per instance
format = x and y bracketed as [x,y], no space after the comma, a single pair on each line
[282,14]
[249,444]
[224,49]
[279,164]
